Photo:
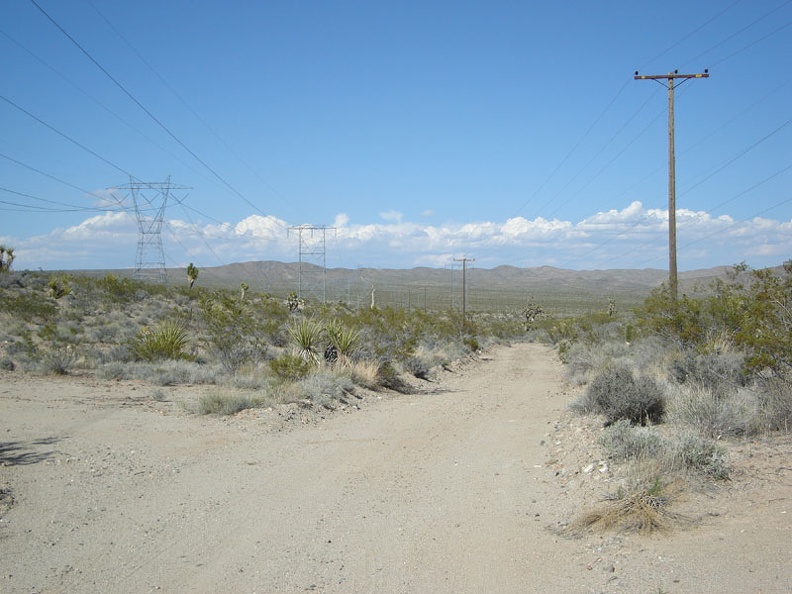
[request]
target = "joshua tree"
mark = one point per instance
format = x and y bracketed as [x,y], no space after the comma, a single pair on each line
[530,312]
[6,258]
[192,274]
[243,289]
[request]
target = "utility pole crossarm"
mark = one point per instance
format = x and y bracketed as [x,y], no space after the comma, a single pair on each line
[671,75]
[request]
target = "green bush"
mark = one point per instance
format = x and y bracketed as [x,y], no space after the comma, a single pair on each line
[231,331]
[618,394]
[751,309]
[290,367]
[717,371]
[28,306]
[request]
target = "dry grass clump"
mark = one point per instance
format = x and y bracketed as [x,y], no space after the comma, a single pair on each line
[224,403]
[363,373]
[642,508]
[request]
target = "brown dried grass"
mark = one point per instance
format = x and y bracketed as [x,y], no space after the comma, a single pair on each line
[644,509]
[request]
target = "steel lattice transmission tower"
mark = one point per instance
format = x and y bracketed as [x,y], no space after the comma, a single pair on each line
[312,261]
[150,200]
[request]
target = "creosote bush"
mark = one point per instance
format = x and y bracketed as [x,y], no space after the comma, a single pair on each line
[618,394]
[290,367]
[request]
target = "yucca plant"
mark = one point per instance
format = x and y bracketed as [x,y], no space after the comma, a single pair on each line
[343,340]
[168,341]
[306,335]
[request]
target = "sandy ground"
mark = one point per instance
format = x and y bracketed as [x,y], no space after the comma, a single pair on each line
[463,487]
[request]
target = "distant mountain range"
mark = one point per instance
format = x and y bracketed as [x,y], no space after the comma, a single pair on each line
[500,288]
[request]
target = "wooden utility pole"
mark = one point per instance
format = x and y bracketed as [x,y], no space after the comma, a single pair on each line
[464,289]
[673,282]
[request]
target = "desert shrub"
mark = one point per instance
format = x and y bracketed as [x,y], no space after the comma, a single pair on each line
[7,364]
[622,441]
[472,343]
[28,306]
[173,372]
[290,367]
[714,412]
[57,360]
[162,373]
[618,394]
[230,331]
[116,290]
[59,286]
[112,370]
[167,341]
[418,367]
[388,377]
[717,371]
[700,454]
[774,405]
[224,403]
[582,360]
[323,388]
[751,309]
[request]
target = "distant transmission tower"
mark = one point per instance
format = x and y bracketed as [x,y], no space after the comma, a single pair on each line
[150,200]
[312,262]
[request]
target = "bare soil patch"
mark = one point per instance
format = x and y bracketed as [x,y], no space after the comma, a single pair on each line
[468,485]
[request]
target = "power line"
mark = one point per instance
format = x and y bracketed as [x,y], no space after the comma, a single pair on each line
[57,179]
[574,148]
[736,33]
[183,101]
[719,231]
[693,32]
[145,109]
[69,207]
[102,105]
[66,136]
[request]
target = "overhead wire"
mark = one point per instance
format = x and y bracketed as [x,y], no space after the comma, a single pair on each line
[610,104]
[184,102]
[66,136]
[683,192]
[66,207]
[736,33]
[147,111]
[720,168]
[104,107]
[574,148]
[57,179]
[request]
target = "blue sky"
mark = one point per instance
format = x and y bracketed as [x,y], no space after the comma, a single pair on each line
[417,132]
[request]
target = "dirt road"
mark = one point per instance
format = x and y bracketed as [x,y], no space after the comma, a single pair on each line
[453,490]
